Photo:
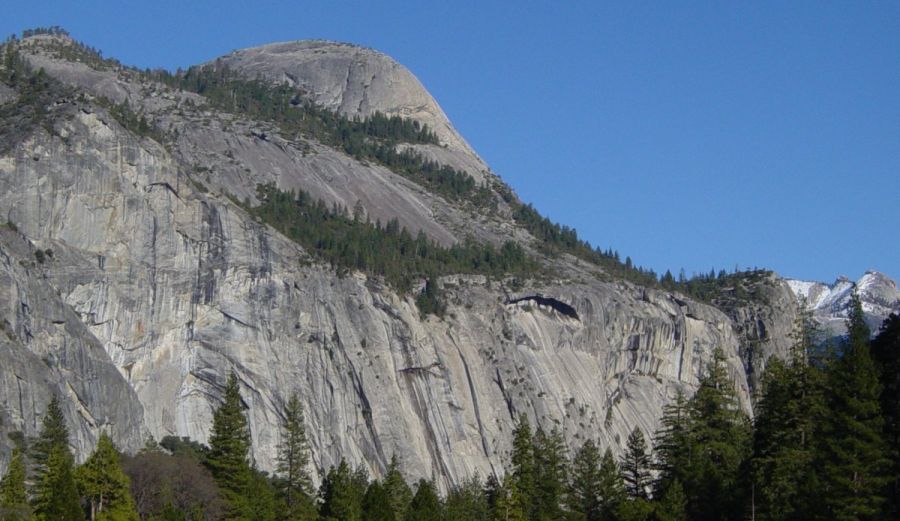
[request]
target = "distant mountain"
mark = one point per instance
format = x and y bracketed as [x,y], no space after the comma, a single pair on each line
[829,302]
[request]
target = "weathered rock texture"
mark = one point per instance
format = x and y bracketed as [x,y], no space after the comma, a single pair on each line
[764,320]
[357,81]
[157,290]
[830,303]
[46,349]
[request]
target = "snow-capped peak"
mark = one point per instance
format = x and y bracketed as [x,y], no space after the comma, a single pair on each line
[829,303]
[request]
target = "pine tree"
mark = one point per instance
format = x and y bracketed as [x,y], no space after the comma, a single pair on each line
[467,502]
[583,499]
[636,465]
[54,433]
[13,497]
[104,485]
[719,438]
[295,485]
[229,445]
[398,491]
[522,477]
[787,412]
[425,504]
[634,509]
[672,505]
[376,505]
[886,354]
[493,491]
[338,495]
[550,467]
[611,488]
[852,454]
[359,482]
[509,503]
[56,495]
[672,445]
[260,497]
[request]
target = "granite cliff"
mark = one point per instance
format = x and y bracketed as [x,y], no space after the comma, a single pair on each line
[134,283]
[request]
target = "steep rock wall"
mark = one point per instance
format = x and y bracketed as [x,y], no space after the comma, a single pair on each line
[181,287]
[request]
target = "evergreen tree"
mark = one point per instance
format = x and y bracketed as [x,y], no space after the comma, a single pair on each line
[583,500]
[56,495]
[852,455]
[509,503]
[467,502]
[359,483]
[54,433]
[295,485]
[104,485]
[719,444]
[493,491]
[550,468]
[229,445]
[636,465]
[398,491]
[611,489]
[260,497]
[522,477]
[339,498]
[789,408]
[672,505]
[634,509]
[376,505]
[13,497]
[672,445]
[425,505]
[886,354]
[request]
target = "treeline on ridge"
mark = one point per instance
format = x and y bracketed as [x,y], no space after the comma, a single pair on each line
[374,138]
[352,242]
[554,239]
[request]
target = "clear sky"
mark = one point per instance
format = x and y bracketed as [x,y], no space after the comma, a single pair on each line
[700,135]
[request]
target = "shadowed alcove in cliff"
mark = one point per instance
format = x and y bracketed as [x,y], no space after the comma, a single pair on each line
[540,300]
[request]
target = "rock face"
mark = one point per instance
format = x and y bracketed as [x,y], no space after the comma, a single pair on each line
[46,349]
[357,81]
[764,321]
[829,303]
[159,286]
[232,155]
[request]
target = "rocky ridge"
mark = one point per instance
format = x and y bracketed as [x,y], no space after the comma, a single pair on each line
[159,285]
[829,303]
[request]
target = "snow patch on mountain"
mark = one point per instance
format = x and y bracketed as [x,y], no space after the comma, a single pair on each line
[830,303]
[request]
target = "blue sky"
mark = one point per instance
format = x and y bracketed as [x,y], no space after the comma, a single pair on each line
[706,134]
